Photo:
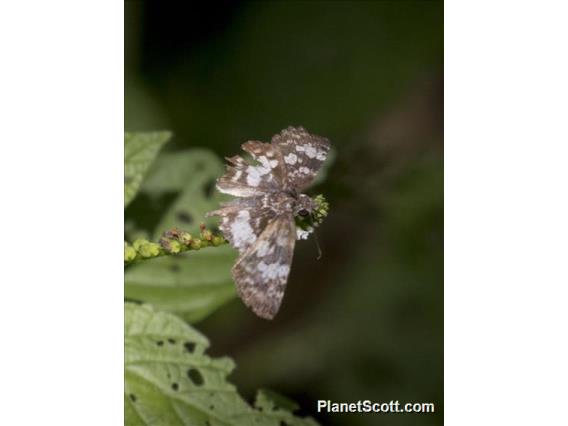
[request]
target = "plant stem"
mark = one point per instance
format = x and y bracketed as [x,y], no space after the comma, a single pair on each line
[174,241]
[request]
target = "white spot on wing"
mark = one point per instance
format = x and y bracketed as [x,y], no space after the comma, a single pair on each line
[273,270]
[241,230]
[291,159]
[310,151]
[266,163]
[255,173]
[240,191]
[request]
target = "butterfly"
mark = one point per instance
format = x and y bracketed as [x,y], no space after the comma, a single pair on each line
[260,222]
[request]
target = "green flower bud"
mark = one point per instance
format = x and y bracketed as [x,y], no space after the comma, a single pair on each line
[171,246]
[129,253]
[185,238]
[149,250]
[217,240]
[321,210]
[175,247]
[206,234]
[195,244]
[139,243]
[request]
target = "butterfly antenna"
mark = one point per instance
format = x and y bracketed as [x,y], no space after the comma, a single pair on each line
[317,245]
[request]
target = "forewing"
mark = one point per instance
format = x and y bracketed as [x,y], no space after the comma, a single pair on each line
[244,179]
[303,155]
[269,157]
[244,219]
[261,273]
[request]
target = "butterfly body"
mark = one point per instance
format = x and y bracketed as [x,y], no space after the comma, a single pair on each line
[260,222]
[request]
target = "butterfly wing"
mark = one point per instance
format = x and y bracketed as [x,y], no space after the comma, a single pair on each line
[244,219]
[260,224]
[303,154]
[244,179]
[261,272]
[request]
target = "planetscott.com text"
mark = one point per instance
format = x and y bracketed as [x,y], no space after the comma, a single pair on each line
[367,406]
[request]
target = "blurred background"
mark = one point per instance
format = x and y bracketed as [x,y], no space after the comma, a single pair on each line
[365,321]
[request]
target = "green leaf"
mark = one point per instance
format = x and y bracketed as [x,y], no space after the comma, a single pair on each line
[197,283]
[193,285]
[169,380]
[140,149]
[269,400]
[192,174]
[280,408]
[172,171]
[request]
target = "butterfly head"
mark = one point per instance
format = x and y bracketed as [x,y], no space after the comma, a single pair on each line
[304,206]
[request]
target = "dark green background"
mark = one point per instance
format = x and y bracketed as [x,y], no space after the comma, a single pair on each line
[365,321]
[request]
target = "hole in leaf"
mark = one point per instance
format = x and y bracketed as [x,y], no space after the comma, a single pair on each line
[184,217]
[175,386]
[211,407]
[132,397]
[160,343]
[172,341]
[189,346]
[283,423]
[209,188]
[195,376]
[175,268]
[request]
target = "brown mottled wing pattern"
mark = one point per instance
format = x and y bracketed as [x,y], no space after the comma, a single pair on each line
[244,179]
[303,155]
[260,223]
[261,272]
[244,219]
